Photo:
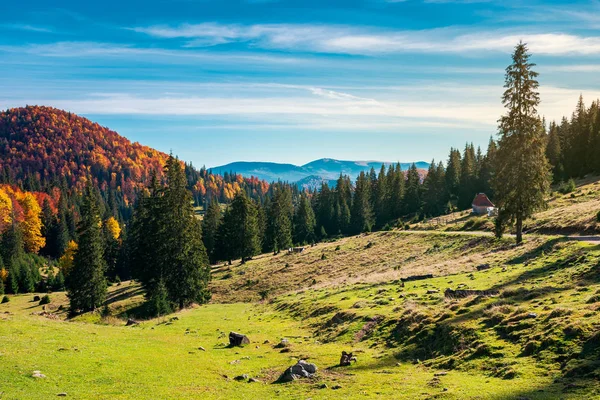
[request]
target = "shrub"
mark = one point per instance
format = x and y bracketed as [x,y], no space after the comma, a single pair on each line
[568,187]
[598,216]
[5,299]
[264,293]
[45,300]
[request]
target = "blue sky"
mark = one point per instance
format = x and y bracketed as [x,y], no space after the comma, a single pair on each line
[292,81]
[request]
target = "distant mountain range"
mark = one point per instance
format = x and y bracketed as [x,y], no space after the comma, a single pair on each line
[307,175]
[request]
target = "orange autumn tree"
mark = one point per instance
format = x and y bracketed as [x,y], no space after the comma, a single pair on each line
[32,223]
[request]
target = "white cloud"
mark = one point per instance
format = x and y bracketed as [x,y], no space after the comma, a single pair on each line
[372,41]
[99,49]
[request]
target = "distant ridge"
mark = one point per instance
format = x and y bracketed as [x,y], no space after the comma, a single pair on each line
[307,175]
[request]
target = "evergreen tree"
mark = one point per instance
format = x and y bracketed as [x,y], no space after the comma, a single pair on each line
[453,174]
[432,186]
[243,228]
[362,214]
[553,153]
[86,285]
[341,207]
[324,211]
[396,192]
[279,221]
[186,263]
[381,194]
[468,177]
[521,177]
[413,191]
[304,222]
[487,169]
[210,227]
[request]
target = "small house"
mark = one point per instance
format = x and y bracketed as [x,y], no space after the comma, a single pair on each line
[482,205]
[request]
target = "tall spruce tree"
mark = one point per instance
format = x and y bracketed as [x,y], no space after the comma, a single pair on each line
[381,193]
[279,221]
[324,211]
[86,284]
[361,213]
[468,177]
[304,221]
[242,229]
[413,191]
[187,267]
[341,207]
[210,227]
[522,175]
[453,175]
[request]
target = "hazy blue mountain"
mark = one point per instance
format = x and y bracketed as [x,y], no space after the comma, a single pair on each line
[315,172]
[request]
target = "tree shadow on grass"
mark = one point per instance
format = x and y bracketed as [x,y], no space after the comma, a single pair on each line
[546,247]
[122,294]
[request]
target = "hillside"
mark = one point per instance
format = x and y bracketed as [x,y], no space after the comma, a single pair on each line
[43,148]
[325,169]
[42,145]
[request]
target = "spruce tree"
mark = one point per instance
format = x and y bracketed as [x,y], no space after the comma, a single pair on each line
[468,178]
[242,230]
[185,261]
[413,191]
[325,212]
[381,194]
[210,227]
[362,215]
[487,169]
[343,201]
[431,191]
[522,174]
[279,224]
[304,221]
[86,284]
[553,153]
[453,175]
[397,192]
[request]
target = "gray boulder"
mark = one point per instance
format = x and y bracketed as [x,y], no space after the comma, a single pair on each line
[302,369]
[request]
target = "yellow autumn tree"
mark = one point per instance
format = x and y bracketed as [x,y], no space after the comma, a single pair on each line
[112,226]
[32,223]
[65,262]
[5,211]
[3,275]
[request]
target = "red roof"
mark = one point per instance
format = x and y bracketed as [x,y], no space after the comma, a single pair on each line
[481,200]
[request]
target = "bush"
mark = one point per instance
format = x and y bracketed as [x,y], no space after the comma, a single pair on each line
[5,299]
[263,294]
[567,187]
[45,300]
[598,216]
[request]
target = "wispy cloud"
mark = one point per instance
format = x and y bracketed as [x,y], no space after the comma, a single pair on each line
[460,105]
[26,27]
[372,41]
[98,49]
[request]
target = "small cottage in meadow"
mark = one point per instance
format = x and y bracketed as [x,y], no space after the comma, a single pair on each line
[482,205]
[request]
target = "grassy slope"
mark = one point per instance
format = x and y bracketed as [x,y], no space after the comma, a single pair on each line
[490,347]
